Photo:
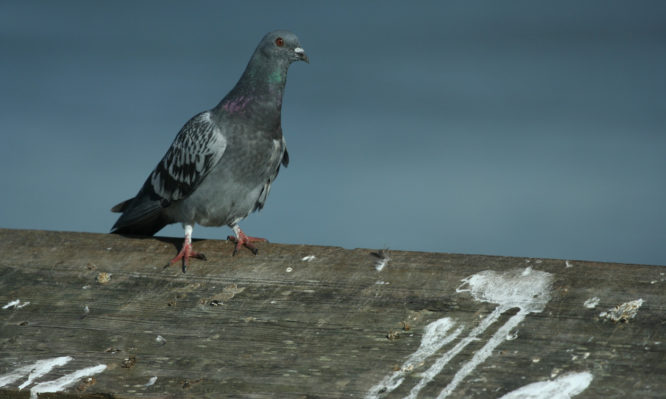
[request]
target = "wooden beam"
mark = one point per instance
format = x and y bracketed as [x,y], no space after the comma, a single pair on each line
[98,316]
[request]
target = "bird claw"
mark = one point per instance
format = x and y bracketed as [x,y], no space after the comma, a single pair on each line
[245,240]
[185,254]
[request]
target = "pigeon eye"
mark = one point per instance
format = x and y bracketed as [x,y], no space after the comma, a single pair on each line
[279,42]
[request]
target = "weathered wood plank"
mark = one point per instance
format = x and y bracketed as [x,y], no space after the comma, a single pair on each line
[274,325]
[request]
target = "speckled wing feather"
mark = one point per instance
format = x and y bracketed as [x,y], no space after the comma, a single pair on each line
[197,148]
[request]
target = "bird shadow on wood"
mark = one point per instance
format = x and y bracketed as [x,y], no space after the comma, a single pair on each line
[177,243]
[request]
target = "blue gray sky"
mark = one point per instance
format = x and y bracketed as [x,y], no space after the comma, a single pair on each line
[523,128]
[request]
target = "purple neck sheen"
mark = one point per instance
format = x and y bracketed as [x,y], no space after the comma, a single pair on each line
[236,105]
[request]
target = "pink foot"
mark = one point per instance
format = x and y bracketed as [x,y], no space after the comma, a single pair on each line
[242,239]
[186,252]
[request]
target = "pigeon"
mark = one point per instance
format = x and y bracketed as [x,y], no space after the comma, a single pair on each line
[221,165]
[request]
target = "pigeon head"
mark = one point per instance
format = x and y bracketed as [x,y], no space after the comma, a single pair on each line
[260,88]
[281,46]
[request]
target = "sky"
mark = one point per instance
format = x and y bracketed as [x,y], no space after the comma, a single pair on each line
[515,128]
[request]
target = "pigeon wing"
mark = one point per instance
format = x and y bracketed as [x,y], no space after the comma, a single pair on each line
[197,148]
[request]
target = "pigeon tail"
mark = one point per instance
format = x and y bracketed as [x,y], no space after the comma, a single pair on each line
[142,227]
[141,215]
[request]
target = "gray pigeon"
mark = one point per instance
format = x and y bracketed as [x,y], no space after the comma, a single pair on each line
[222,163]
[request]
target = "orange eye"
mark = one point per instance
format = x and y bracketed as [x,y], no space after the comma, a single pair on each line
[279,42]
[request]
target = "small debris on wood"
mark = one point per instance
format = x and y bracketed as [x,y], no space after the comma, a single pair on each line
[591,303]
[384,257]
[129,362]
[86,311]
[85,384]
[227,293]
[188,383]
[103,277]
[16,304]
[623,312]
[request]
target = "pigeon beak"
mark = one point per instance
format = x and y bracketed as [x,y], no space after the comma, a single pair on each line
[300,53]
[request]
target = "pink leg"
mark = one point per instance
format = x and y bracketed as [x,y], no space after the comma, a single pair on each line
[242,239]
[186,252]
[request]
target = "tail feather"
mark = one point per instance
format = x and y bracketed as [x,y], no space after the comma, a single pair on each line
[119,208]
[145,226]
[142,215]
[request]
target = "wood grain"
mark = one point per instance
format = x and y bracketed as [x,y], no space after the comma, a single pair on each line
[274,325]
